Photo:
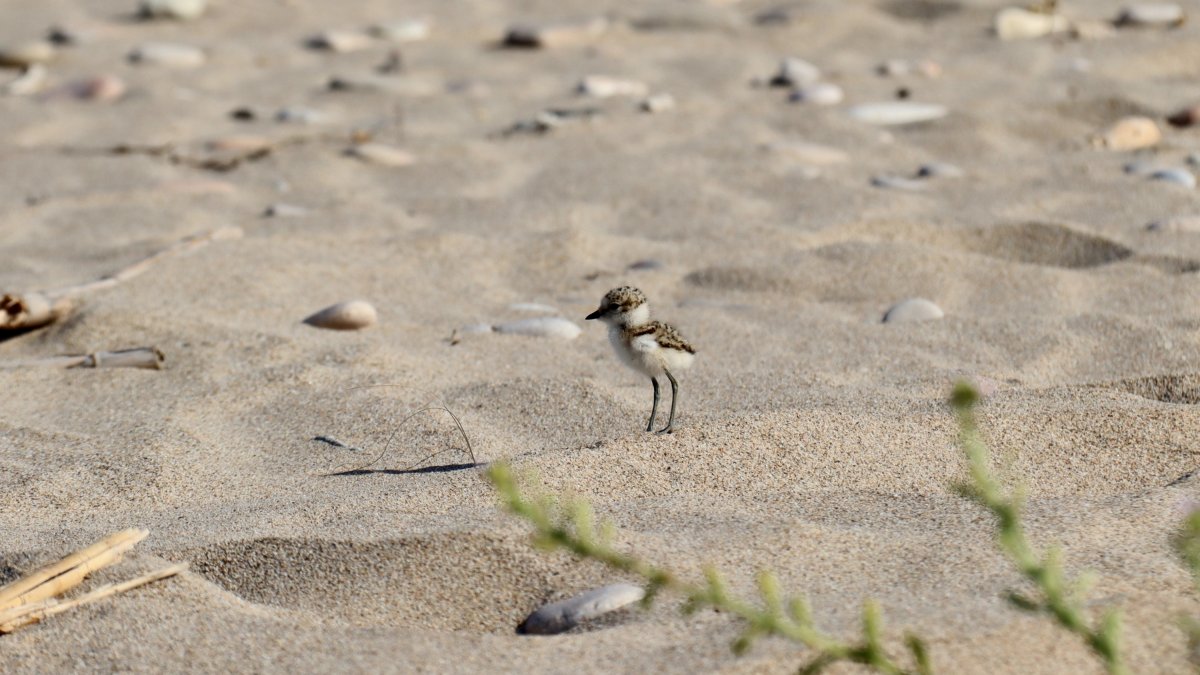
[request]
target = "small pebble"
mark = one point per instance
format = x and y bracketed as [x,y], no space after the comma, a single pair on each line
[351,315]
[939,170]
[563,615]
[657,103]
[1185,117]
[647,264]
[184,10]
[1190,224]
[602,86]
[552,36]
[1193,159]
[30,81]
[401,32]
[1151,15]
[894,68]
[1015,23]
[894,113]
[1130,133]
[542,326]
[898,183]
[1178,176]
[913,309]
[821,93]
[298,116]
[27,54]
[282,210]
[795,72]
[168,54]
[383,155]
[340,41]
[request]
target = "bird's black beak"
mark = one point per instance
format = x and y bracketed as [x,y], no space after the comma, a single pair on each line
[595,315]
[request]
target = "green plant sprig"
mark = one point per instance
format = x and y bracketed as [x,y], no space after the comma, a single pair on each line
[574,530]
[1058,597]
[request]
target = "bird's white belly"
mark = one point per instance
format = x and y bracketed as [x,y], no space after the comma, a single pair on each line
[646,356]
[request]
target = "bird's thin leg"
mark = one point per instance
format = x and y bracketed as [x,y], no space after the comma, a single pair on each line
[654,409]
[674,399]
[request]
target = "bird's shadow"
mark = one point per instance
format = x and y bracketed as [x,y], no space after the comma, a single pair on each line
[436,468]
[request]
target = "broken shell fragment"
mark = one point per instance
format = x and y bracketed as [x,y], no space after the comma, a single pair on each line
[542,326]
[1130,133]
[352,315]
[557,617]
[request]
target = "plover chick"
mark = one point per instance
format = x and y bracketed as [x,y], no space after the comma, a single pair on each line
[652,348]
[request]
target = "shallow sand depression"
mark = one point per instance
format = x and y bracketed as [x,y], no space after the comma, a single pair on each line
[812,439]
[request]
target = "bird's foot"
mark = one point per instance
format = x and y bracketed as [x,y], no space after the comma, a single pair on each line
[666,430]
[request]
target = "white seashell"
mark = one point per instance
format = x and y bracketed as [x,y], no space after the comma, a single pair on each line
[30,81]
[892,113]
[168,54]
[550,36]
[1151,14]
[821,93]
[1189,224]
[913,309]
[1130,133]
[557,617]
[476,329]
[1015,23]
[542,326]
[1175,175]
[27,54]
[809,153]
[383,155]
[185,10]
[898,183]
[939,170]
[602,86]
[657,103]
[340,41]
[795,72]
[351,315]
[533,307]
[400,32]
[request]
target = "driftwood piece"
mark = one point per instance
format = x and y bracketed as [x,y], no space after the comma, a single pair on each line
[22,311]
[138,357]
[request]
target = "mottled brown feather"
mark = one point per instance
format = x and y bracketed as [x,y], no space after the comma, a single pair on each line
[664,334]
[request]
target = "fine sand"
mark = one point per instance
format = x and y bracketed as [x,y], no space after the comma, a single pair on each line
[812,439]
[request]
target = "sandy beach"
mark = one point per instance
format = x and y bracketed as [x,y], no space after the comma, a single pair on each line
[453,183]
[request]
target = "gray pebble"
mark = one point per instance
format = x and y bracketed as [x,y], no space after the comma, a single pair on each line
[1178,176]
[913,309]
[820,93]
[184,10]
